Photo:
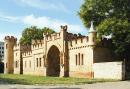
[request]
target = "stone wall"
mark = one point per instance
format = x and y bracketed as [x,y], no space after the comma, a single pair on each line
[109,70]
[80,59]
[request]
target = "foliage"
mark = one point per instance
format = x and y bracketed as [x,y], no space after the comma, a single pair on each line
[29,79]
[98,10]
[111,17]
[34,33]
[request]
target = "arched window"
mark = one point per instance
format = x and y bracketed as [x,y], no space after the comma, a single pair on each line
[79,59]
[40,62]
[37,62]
[16,64]
[76,59]
[82,59]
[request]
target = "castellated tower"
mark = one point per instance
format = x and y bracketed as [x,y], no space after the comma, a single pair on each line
[92,36]
[10,41]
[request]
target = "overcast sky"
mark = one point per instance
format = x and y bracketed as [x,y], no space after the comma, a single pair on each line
[15,15]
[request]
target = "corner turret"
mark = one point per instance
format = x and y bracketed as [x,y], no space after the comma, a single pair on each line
[92,35]
[10,41]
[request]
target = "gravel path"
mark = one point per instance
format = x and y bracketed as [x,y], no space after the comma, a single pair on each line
[108,85]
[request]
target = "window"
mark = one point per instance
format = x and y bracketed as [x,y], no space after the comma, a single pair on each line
[40,63]
[79,59]
[82,59]
[75,41]
[76,59]
[81,40]
[37,62]
[16,64]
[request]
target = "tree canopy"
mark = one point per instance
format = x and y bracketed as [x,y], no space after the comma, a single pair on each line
[34,33]
[111,17]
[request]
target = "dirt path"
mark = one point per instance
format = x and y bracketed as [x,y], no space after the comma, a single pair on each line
[109,85]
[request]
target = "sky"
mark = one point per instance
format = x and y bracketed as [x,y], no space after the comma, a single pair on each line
[16,15]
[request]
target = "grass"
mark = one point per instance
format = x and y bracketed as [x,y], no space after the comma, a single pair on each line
[41,80]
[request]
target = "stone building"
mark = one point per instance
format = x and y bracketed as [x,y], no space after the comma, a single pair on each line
[1,51]
[62,54]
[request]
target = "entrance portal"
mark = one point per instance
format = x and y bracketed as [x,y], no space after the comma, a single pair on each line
[53,62]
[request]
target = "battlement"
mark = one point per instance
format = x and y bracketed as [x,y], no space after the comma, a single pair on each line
[37,44]
[53,36]
[27,53]
[78,42]
[22,47]
[64,28]
[10,38]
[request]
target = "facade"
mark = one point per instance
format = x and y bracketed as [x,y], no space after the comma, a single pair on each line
[59,54]
[1,51]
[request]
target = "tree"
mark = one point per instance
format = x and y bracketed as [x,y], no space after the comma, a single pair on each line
[111,17]
[34,33]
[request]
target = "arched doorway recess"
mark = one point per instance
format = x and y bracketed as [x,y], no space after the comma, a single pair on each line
[53,62]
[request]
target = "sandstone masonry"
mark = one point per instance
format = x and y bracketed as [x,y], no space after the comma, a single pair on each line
[59,54]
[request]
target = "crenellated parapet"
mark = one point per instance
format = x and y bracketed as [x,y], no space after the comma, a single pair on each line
[64,28]
[27,54]
[53,36]
[36,44]
[78,43]
[22,48]
[10,40]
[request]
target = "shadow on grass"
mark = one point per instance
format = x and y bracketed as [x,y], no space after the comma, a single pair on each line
[12,81]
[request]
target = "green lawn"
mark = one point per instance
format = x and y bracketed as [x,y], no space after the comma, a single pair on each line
[40,80]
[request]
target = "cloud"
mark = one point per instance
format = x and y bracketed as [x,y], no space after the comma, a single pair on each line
[52,23]
[43,21]
[43,4]
[7,18]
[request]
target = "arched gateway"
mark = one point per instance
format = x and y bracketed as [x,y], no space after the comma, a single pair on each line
[53,61]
